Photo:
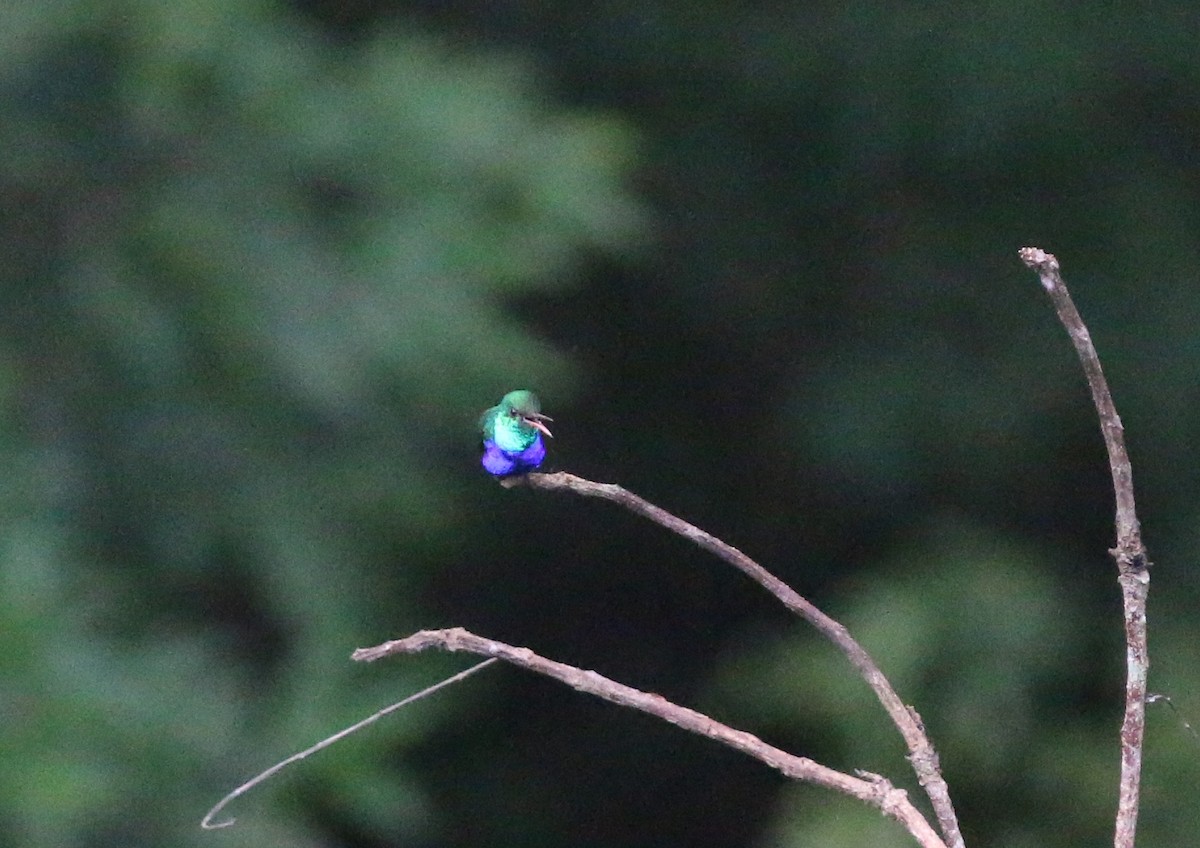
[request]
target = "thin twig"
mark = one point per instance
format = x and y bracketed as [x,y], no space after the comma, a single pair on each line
[921,752]
[869,788]
[207,822]
[1129,552]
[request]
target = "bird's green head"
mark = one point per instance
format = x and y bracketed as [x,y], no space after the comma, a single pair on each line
[521,402]
[515,422]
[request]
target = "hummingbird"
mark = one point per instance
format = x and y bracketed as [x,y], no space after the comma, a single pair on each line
[512,434]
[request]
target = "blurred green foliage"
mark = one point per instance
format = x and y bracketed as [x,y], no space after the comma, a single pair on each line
[254,293]
[263,265]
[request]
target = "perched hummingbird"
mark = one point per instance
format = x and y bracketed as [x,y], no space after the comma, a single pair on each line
[512,434]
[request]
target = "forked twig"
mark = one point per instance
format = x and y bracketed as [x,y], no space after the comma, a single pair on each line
[869,788]
[921,752]
[1130,554]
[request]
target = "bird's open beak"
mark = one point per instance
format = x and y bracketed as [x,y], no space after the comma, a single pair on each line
[535,419]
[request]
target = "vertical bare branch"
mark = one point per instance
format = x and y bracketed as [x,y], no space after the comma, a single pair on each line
[922,755]
[1129,553]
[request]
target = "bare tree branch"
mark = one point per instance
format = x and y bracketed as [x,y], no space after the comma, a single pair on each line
[922,755]
[1129,553]
[875,790]
[869,788]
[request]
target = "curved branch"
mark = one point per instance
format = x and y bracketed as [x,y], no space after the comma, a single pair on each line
[1129,553]
[921,752]
[869,788]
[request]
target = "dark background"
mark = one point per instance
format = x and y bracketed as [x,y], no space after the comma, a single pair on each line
[264,264]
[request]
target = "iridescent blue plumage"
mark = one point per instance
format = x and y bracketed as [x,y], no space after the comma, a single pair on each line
[512,435]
